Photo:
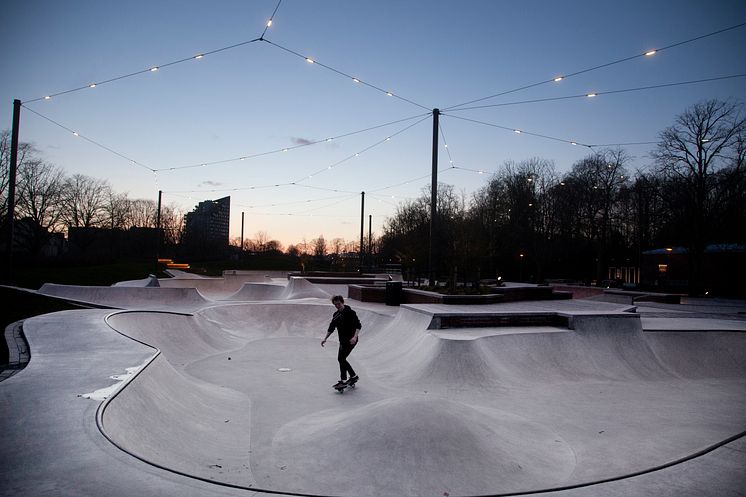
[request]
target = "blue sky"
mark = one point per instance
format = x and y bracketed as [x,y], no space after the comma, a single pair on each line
[259,98]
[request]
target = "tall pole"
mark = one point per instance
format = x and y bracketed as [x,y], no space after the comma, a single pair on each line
[432,259]
[362,227]
[242,231]
[12,187]
[158,233]
[370,243]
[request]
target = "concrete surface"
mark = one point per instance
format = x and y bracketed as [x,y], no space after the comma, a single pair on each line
[232,398]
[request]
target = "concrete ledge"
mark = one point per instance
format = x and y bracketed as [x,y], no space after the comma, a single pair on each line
[664,298]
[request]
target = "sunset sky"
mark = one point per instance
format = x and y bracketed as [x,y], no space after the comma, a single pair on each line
[184,128]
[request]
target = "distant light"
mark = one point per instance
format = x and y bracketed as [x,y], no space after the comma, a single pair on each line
[480,172]
[446,145]
[389,94]
[310,61]
[530,204]
[284,150]
[284,370]
[269,23]
[573,143]
[591,95]
[562,183]
[651,52]
[328,139]
[75,133]
[198,56]
[388,138]
[154,69]
[47,97]
[669,249]
[530,179]
[518,131]
[355,80]
[558,79]
[705,140]
[92,85]
[357,155]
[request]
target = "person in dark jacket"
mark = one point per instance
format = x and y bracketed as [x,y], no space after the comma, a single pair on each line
[348,327]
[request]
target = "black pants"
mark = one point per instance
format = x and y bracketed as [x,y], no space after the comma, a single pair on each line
[344,367]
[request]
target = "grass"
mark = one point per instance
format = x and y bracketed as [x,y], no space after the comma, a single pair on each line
[96,275]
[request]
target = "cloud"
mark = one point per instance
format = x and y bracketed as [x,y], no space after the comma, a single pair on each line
[301,141]
[209,183]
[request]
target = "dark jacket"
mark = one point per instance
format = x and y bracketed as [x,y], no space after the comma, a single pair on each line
[346,322]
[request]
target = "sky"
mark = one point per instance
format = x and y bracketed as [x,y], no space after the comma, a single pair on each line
[154,130]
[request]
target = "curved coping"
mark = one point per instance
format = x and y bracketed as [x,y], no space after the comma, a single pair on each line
[102,408]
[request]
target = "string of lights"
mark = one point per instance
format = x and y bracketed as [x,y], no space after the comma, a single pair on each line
[271,19]
[142,71]
[558,78]
[520,131]
[294,202]
[360,152]
[287,149]
[234,159]
[345,75]
[608,92]
[89,140]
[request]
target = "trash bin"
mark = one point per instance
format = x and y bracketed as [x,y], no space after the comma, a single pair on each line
[393,292]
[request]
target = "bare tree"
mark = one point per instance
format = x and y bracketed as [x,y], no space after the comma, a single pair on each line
[260,241]
[115,209]
[142,213]
[84,199]
[319,246]
[172,223]
[703,141]
[26,152]
[40,193]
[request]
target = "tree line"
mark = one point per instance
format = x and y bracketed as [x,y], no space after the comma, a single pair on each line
[53,202]
[531,223]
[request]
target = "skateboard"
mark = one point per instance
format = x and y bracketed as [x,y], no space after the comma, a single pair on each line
[341,388]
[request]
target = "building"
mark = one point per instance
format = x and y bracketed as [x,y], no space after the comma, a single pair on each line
[206,229]
[724,269]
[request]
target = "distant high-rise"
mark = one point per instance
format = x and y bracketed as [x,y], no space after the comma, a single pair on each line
[206,228]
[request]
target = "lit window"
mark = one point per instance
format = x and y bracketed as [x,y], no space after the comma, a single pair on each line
[662,268]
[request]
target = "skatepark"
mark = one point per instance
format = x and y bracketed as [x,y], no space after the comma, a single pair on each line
[219,386]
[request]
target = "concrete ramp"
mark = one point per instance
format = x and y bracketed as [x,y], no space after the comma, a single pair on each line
[214,288]
[149,281]
[122,297]
[296,288]
[241,394]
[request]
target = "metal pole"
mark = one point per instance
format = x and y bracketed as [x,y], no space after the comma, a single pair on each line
[370,243]
[362,227]
[12,186]
[158,233]
[432,259]
[242,231]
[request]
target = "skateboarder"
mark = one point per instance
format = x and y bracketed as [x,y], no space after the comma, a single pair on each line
[348,328]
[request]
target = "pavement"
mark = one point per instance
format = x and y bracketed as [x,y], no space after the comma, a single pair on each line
[169,393]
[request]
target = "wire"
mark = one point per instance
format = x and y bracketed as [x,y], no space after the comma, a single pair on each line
[353,78]
[609,92]
[131,161]
[582,71]
[271,18]
[143,71]
[520,131]
[287,149]
[295,202]
[357,154]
